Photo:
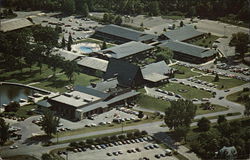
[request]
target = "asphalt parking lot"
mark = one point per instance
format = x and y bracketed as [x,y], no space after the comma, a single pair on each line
[102,153]
[104,117]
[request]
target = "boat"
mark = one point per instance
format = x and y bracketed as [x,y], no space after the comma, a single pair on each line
[37,95]
[4,105]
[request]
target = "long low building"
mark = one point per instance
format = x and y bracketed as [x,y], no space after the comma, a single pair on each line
[118,34]
[92,65]
[127,51]
[190,53]
[181,34]
[15,24]
[83,102]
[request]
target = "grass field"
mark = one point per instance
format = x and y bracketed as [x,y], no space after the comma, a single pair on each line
[191,92]
[187,72]
[152,103]
[217,108]
[55,84]
[106,127]
[227,82]
[234,97]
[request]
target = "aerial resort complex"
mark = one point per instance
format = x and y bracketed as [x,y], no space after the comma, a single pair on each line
[124,80]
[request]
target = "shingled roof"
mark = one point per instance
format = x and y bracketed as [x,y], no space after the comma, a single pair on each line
[14,24]
[188,49]
[94,63]
[126,49]
[126,33]
[155,72]
[183,33]
[127,74]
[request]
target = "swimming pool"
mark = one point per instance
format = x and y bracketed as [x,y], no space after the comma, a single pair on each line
[86,49]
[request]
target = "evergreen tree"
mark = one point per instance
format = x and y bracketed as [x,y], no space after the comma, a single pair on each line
[216,78]
[68,7]
[181,24]
[118,20]
[104,45]
[63,42]
[85,11]
[4,131]
[221,119]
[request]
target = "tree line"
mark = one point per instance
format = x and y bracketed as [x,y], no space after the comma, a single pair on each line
[237,9]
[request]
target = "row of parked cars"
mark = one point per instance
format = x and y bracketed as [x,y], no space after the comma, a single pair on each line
[191,79]
[129,111]
[237,69]
[116,143]
[169,93]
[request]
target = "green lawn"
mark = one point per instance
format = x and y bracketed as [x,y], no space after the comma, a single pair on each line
[58,83]
[207,42]
[234,97]
[191,92]
[54,84]
[227,82]
[22,111]
[26,77]
[97,136]
[187,72]
[152,103]
[218,108]
[106,127]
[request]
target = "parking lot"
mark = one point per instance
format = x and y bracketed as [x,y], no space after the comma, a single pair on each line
[121,152]
[101,119]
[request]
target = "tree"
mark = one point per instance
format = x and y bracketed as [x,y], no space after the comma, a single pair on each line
[142,25]
[181,131]
[118,20]
[68,7]
[164,55]
[69,68]
[85,10]
[4,131]
[105,18]
[140,115]
[55,61]
[240,40]
[12,107]
[247,109]
[204,124]
[221,119]
[63,42]
[46,156]
[216,78]
[181,24]
[104,45]
[154,9]
[180,113]
[49,123]
[70,42]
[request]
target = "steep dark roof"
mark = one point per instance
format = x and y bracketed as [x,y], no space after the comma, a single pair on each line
[125,72]
[105,86]
[126,49]
[91,91]
[183,33]
[126,33]
[188,49]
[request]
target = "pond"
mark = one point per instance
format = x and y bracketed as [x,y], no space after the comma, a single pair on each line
[10,93]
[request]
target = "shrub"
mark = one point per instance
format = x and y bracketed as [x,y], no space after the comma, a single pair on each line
[98,140]
[246,89]
[89,141]
[73,144]
[114,138]
[121,137]
[82,144]
[106,139]
[137,134]
[129,135]
[144,133]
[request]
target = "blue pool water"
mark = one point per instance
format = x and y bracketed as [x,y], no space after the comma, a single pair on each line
[86,49]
